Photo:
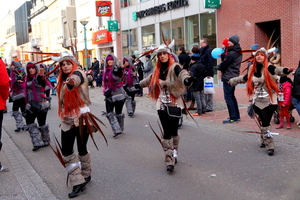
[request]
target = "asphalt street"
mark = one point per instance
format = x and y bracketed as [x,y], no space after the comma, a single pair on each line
[216,161]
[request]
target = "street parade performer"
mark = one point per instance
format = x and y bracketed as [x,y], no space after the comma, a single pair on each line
[168,82]
[261,86]
[37,106]
[76,121]
[114,94]
[17,93]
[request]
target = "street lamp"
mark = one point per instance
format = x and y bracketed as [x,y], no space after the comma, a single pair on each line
[84,23]
[22,47]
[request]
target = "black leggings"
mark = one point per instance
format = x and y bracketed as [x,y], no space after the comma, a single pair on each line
[68,140]
[118,105]
[19,103]
[169,124]
[265,115]
[41,117]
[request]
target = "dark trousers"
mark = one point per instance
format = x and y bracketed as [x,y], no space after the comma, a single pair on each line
[231,102]
[117,105]
[1,120]
[68,140]
[169,124]
[265,115]
[19,104]
[40,116]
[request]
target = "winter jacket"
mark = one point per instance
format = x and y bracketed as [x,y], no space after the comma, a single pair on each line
[197,70]
[184,60]
[207,60]
[230,67]
[4,86]
[287,91]
[148,68]
[296,82]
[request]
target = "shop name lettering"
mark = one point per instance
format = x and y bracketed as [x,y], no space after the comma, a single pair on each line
[103,10]
[162,8]
[100,36]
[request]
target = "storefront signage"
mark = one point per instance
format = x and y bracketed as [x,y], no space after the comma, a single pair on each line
[159,9]
[212,4]
[103,8]
[113,25]
[102,36]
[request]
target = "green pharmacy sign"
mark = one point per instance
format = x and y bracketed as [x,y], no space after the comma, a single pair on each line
[212,4]
[113,25]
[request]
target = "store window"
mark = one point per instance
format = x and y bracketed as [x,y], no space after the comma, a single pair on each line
[192,31]
[129,42]
[178,32]
[208,28]
[148,35]
[126,3]
[165,28]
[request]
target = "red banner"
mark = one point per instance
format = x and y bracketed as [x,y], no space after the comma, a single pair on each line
[103,8]
[102,36]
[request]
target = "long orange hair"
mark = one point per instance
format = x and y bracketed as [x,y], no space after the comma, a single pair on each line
[72,100]
[154,83]
[271,85]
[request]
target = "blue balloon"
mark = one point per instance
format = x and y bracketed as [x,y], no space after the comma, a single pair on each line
[215,53]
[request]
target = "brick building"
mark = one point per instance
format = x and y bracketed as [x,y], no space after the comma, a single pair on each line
[255,21]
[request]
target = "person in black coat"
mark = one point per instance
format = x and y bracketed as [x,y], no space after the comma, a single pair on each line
[184,58]
[95,68]
[296,91]
[197,70]
[207,60]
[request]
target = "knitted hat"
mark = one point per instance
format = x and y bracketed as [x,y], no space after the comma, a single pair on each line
[17,65]
[175,57]
[64,56]
[225,42]
[165,48]
[234,39]
[276,50]
[195,56]
[109,57]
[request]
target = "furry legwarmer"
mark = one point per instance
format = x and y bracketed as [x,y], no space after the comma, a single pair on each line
[86,169]
[74,169]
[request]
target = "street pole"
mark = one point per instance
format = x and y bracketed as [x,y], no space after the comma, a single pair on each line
[84,23]
[22,47]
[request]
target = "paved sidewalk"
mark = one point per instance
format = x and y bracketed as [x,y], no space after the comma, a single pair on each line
[23,182]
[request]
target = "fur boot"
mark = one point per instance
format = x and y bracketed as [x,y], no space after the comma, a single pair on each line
[114,123]
[169,159]
[120,118]
[45,134]
[19,120]
[267,140]
[35,136]
[86,166]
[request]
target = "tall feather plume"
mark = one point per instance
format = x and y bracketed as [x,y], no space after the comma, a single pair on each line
[146,53]
[57,151]
[158,138]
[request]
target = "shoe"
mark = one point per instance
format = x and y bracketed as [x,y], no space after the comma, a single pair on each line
[192,108]
[208,110]
[148,95]
[3,168]
[35,148]
[88,179]
[76,190]
[237,119]
[130,114]
[116,134]
[230,121]
[271,152]
[170,168]
[196,114]
[262,145]
[18,130]
[279,126]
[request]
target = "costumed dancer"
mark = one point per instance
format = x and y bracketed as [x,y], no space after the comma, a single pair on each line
[17,93]
[130,78]
[168,82]
[76,121]
[37,106]
[114,94]
[262,86]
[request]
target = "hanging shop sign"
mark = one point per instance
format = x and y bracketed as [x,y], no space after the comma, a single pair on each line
[103,8]
[212,4]
[102,36]
[159,9]
[113,25]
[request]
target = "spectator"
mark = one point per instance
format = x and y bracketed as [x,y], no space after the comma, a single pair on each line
[184,58]
[4,93]
[296,91]
[148,69]
[284,102]
[207,60]
[96,69]
[230,67]
[275,59]
[139,66]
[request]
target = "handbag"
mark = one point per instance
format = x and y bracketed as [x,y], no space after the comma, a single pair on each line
[209,86]
[173,111]
[250,110]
